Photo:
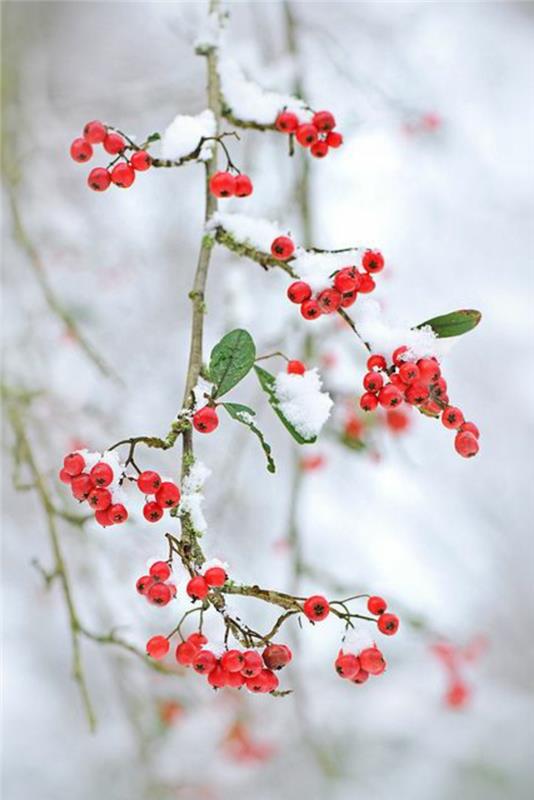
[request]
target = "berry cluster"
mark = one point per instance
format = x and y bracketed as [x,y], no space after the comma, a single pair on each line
[123,173]
[319,134]
[357,667]
[420,383]
[155,586]
[199,585]
[233,668]
[94,479]
[347,283]
[224,184]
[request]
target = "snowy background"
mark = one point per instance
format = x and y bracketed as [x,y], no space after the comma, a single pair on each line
[435,103]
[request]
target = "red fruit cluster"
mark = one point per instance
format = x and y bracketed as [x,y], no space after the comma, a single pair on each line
[318,135]
[205,420]
[387,623]
[224,184]
[454,660]
[235,668]
[123,173]
[419,383]
[347,283]
[156,587]
[166,494]
[199,585]
[92,486]
[356,667]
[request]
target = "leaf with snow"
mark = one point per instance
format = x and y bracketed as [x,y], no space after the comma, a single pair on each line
[453,324]
[231,359]
[245,415]
[268,383]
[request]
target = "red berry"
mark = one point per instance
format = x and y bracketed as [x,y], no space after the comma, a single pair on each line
[81,486]
[397,355]
[373,261]
[376,362]
[235,679]
[346,280]
[64,476]
[117,513]
[452,417]
[282,248]
[397,420]
[102,517]
[310,309]
[388,624]
[439,388]
[101,474]
[204,662]
[334,139]
[324,121]
[457,695]
[360,677]
[185,653]
[157,647]
[99,499]
[218,677]
[296,368]
[81,151]
[306,135]
[347,665]
[243,186]
[222,184]
[417,393]
[368,401]
[429,370]
[390,396]
[99,179]
[197,588]
[215,576]
[299,291]
[160,571]
[329,300]
[470,427]
[123,175]
[73,464]
[316,608]
[144,583]
[141,160]
[348,299]
[372,661]
[466,444]
[232,661]
[152,512]
[409,372]
[168,495]
[95,132]
[197,639]
[205,420]
[319,149]
[287,122]
[148,482]
[173,589]
[160,594]
[276,656]
[114,143]
[373,381]
[376,605]
[252,664]
[367,284]
[265,682]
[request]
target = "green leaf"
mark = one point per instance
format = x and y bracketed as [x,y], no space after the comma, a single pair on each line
[231,359]
[267,382]
[453,324]
[243,414]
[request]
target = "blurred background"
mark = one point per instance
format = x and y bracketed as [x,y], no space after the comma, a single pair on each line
[435,104]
